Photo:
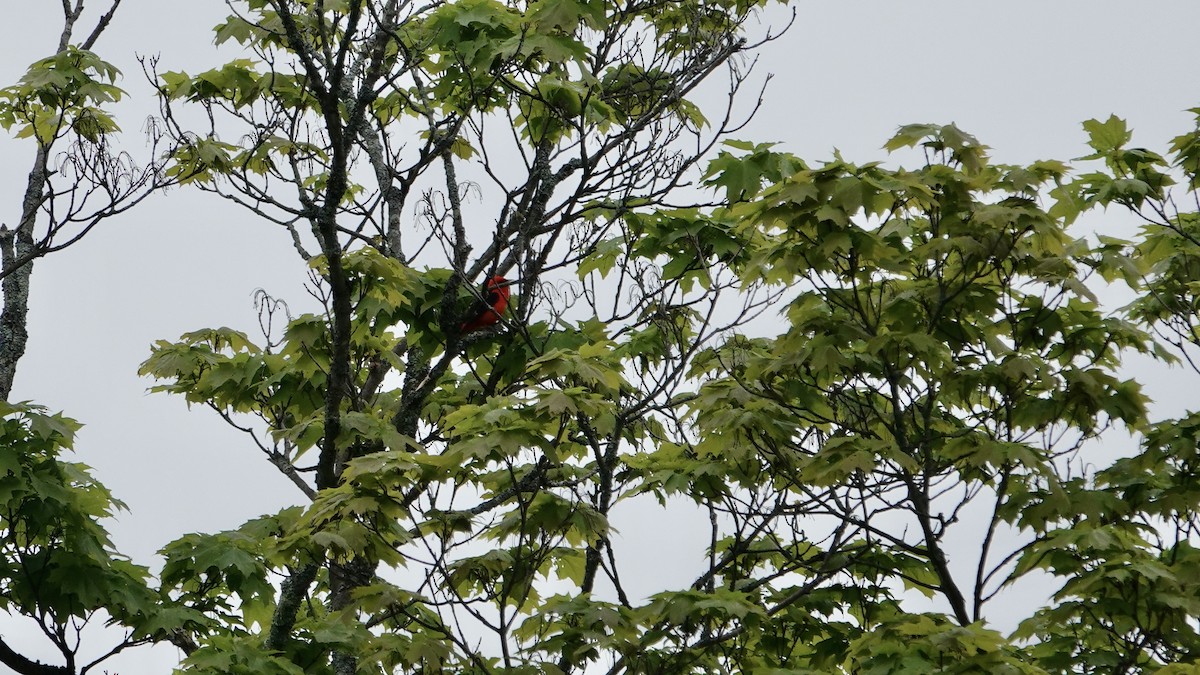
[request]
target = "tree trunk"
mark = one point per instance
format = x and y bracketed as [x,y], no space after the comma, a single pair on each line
[15,244]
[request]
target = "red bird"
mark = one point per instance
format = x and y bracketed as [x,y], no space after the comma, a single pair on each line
[491,307]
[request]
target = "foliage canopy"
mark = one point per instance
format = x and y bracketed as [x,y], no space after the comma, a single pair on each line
[882,389]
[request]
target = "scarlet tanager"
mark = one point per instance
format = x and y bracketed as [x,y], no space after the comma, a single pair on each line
[488,309]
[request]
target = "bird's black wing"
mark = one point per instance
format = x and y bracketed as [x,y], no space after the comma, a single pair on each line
[480,305]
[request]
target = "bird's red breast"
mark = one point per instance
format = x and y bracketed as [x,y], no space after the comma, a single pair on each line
[495,295]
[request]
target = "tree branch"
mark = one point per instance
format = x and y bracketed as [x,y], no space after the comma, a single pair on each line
[25,666]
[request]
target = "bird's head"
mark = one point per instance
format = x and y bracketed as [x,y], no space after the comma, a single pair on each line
[500,285]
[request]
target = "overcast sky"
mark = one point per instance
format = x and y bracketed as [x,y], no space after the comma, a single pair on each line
[1020,75]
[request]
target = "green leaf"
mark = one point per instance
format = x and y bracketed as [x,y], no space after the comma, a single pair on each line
[1107,136]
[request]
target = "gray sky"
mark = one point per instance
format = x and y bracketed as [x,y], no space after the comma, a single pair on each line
[1020,75]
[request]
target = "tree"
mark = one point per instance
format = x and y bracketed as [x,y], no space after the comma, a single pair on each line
[944,374]
[60,568]
[573,115]
[924,423]
[1128,601]
[77,179]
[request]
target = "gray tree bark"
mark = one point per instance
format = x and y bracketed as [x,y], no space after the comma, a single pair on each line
[15,244]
